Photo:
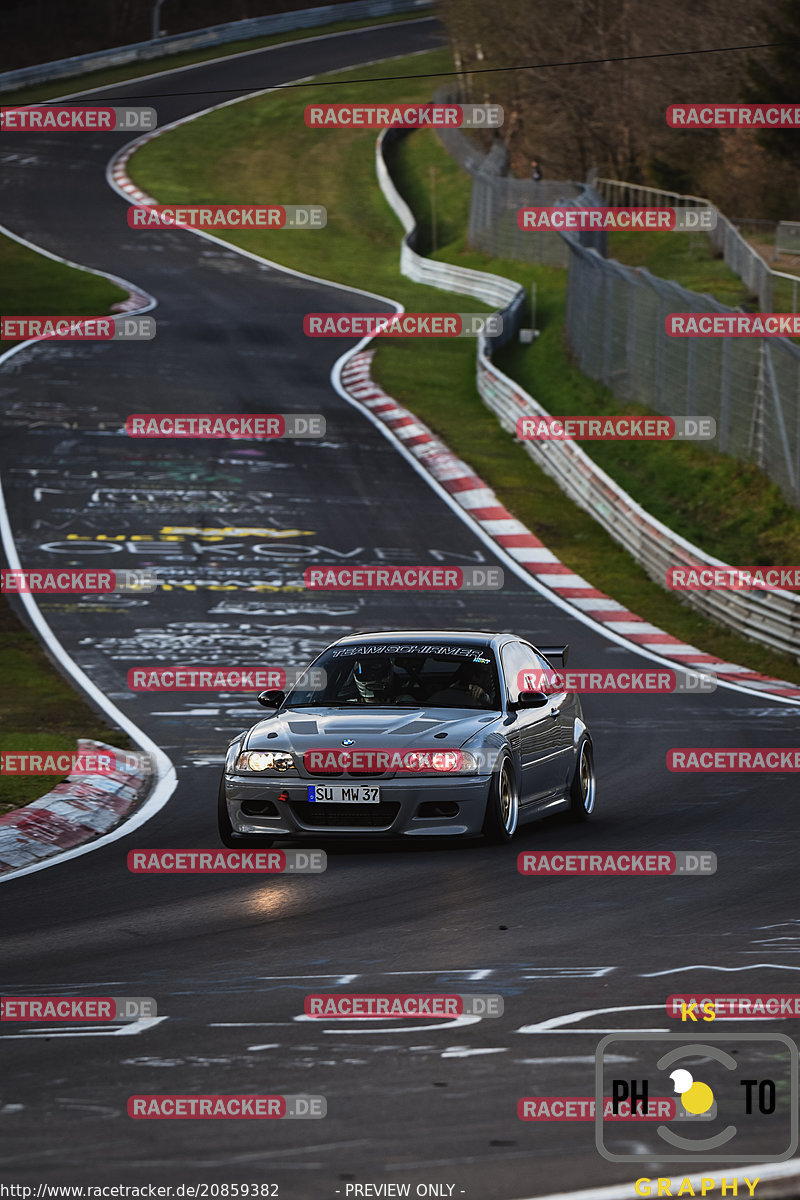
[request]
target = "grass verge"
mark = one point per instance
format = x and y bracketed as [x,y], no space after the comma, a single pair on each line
[261,146]
[38,708]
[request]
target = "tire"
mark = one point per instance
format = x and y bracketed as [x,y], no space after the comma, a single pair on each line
[583,788]
[502,806]
[235,841]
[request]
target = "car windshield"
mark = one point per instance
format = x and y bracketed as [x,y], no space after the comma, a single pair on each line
[403,675]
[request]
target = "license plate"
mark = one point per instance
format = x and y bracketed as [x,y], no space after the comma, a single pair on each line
[338,793]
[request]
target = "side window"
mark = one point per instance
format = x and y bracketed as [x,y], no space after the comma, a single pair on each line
[549,684]
[522,669]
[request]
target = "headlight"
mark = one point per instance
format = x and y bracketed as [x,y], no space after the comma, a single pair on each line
[454,762]
[265,760]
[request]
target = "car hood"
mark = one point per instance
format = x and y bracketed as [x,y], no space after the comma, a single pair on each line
[299,730]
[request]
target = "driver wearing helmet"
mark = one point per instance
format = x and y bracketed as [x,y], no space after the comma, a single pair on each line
[374,679]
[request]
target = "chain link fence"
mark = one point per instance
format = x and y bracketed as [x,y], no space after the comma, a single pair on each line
[615,325]
[497,198]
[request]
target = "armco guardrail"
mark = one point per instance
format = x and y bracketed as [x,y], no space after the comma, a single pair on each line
[772,618]
[213,35]
[508,297]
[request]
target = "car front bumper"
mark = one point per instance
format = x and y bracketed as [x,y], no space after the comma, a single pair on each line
[460,801]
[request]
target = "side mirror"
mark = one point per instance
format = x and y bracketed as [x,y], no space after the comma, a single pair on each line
[530,700]
[273,699]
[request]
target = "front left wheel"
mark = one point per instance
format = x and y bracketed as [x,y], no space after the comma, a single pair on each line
[502,806]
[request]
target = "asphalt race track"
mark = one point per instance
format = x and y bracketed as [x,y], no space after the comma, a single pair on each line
[229,958]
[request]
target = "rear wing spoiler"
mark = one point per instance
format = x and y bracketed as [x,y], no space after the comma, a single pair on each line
[556,655]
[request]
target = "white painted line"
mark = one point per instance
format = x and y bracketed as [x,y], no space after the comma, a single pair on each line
[127,1030]
[399,1028]
[706,967]
[553,1024]
[466,1052]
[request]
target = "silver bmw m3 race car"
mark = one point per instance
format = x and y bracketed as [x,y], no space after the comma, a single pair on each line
[411,733]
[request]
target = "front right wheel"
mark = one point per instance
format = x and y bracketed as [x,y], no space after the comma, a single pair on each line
[584,784]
